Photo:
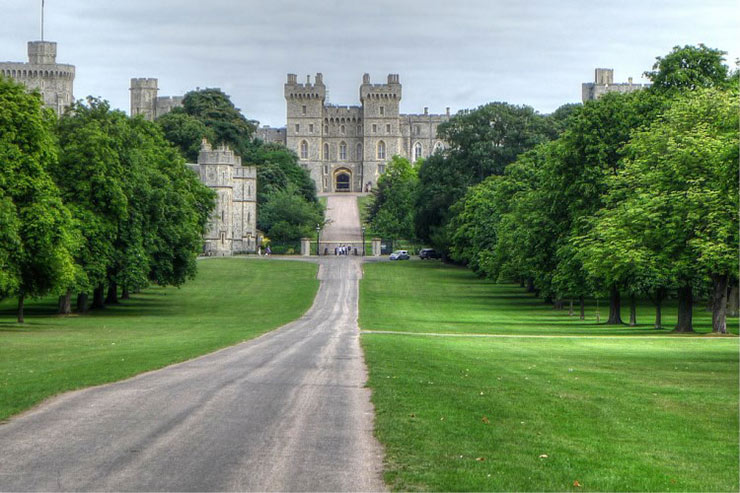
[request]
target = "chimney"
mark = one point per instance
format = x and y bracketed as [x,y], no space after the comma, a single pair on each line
[629,79]
[366,78]
[426,110]
[308,80]
[319,79]
[447,111]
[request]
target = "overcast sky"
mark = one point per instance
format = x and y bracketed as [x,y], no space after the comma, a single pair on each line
[456,53]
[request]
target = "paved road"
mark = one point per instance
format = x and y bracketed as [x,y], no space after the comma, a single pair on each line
[344,221]
[287,411]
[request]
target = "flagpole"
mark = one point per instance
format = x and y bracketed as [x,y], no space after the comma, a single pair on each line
[42,20]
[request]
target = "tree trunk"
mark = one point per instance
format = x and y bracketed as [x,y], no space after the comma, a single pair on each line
[21,300]
[530,286]
[660,295]
[719,303]
[633,310]
[570,308]
[615,307]
[65,303]
[685,309]
[98,297]
[733,301]
[82,303]
[558,305]
[125,294]
[112,297]
[582,302]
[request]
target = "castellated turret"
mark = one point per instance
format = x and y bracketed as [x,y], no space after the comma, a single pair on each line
[54,81]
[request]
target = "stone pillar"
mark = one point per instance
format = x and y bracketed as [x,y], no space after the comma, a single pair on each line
[376,247]
[305,247]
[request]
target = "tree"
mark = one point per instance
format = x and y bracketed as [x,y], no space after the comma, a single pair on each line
[287,216]
[391,214]
[36,253]
[681,176]
[482,143]
[689,68]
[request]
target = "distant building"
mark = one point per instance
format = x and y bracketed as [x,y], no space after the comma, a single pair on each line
[346,148]
[144,99]
[604,83]
[270,134]
[53,80]
[233,224]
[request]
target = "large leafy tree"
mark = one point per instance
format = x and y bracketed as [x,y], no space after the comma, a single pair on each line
[391,213]
[679,199]
[287,217]
[37,238]
[482,142]
[139,209]
[689,68]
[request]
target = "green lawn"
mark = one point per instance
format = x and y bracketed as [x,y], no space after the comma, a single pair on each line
[634,413]
[232,300]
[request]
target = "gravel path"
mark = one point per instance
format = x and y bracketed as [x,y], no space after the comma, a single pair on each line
[287,411]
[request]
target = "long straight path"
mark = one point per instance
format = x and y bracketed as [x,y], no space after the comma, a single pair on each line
[343,220]
[287,411]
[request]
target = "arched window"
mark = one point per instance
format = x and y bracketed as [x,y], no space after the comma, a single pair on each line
[304,149]
[359,152]
[326,152]
[418,151]
[381,150]
[342,129]
[343,151]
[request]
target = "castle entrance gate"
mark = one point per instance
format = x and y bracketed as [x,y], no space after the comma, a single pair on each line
[342,180]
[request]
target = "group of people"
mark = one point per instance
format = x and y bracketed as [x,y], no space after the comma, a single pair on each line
[343,250]
[268,251]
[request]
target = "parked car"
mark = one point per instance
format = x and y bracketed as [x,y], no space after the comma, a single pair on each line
[400,255]
[426,253]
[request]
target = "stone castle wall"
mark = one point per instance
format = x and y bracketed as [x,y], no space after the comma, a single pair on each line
[146,102]
[54,81]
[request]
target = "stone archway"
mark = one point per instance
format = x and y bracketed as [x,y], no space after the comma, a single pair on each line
[342,180]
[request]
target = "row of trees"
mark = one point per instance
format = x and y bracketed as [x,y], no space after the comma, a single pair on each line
[286,196]
[92,202]
[633,194]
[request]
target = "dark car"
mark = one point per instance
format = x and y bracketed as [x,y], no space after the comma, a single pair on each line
[426,253]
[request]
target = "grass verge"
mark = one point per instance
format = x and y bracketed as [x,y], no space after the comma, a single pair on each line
[232,300]
[556,414]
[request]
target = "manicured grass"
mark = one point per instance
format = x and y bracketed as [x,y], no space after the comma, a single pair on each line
[363,202]
[429,296]
[232,300]
[631,413]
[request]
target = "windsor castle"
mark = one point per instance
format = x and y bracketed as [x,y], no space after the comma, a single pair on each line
[344,148]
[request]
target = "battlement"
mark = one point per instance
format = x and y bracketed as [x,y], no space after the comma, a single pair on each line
[341,110]
[294,90]
[390,90]
[143,83]
[221,155]
[604,83]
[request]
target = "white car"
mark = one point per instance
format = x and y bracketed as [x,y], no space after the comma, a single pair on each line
[400,255]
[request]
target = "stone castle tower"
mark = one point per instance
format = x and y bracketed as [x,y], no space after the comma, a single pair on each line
[144,99]
[604,83]
[345,148]
[233,224]
[53,80]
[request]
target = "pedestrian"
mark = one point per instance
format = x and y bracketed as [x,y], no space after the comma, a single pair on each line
[268,251]
[259,251]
